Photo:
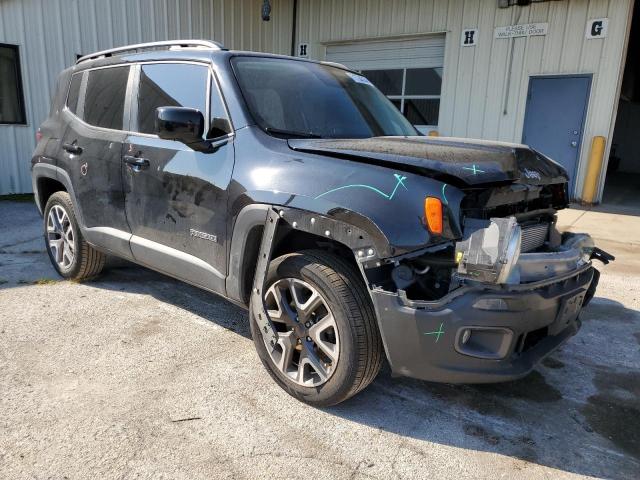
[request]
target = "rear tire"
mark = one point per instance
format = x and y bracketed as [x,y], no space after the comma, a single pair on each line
[70,254]
[353,332]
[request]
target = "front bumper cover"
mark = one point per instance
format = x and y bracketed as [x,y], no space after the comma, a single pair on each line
[510,328]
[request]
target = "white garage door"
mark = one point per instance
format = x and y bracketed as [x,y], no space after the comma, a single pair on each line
[408,71]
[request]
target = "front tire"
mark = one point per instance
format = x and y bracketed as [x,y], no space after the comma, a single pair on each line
[329,346]
[70,254]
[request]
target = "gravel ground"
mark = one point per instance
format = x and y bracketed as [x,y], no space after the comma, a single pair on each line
[136,375]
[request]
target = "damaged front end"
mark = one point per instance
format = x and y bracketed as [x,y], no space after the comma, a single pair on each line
[490,306]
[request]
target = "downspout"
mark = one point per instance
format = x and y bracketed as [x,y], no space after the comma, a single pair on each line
[294,28]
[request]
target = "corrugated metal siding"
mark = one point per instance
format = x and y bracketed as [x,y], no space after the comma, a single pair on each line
[51,32]
[426,52]
[475,86]
[479,98]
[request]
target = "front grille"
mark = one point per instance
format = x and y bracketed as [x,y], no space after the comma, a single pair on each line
[534,236]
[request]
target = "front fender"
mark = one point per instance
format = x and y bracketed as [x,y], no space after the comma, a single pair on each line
[386,203]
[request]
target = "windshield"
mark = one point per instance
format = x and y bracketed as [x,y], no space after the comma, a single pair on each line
[290,98]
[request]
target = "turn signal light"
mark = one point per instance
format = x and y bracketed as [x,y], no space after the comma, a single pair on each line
[433,214]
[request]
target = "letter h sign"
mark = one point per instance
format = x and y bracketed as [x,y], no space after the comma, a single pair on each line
[469,37]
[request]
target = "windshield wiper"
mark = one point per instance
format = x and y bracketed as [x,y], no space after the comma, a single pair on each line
[291,133]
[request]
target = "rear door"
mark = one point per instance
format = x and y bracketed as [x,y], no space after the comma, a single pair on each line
[176,204]
[91,153]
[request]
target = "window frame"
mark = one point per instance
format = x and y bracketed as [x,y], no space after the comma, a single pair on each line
[211,78]
[125,111]
[131,97]
[19,85]
[403,96]
[82,96]
[81,91]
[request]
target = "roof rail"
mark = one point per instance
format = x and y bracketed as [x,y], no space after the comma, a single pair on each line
[152,46]
[335,64]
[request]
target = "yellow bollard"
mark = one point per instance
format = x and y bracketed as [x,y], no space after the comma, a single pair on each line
[593,169]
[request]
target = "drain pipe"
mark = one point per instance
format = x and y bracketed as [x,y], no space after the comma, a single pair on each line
[294,28]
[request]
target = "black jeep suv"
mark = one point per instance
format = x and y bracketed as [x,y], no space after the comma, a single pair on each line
[296,189]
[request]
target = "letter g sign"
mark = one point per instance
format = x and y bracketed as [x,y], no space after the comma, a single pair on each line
[597,28]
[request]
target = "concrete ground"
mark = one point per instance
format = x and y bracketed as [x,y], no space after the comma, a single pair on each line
[136,375]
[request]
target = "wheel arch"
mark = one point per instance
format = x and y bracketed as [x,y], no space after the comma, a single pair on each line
[298,230]
[48,179]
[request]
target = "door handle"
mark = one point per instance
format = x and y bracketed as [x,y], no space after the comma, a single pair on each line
[72,148]
[136,163]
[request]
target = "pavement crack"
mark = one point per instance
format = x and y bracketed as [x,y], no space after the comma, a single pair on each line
[186,419]
[9,245]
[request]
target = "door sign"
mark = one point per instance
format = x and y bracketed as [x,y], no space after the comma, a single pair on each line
[528,30]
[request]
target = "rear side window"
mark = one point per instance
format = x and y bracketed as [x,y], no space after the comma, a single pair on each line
[74,93]
[170,85]
[104,100]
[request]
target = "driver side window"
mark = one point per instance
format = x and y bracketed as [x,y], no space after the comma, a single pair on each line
[170,85]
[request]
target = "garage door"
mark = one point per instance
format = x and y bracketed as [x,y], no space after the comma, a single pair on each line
[408,71]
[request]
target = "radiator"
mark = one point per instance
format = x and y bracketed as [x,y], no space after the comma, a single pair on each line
[534,236]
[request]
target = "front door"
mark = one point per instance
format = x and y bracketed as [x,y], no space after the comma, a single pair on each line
[555,117]
[176,200]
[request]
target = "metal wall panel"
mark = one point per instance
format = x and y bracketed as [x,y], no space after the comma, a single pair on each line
[426,52]
[51,32]
[485,87]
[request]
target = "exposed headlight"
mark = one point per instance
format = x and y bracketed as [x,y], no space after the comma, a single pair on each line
[489,250]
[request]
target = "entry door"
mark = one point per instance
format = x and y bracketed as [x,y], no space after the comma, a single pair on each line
[176,202]
[555,116]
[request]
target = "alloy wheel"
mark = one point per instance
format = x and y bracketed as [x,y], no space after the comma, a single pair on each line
[308,343]
[60,237]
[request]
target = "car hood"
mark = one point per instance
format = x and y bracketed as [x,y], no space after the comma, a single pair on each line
[461,162]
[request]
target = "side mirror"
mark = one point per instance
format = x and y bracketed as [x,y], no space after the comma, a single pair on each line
[185,125]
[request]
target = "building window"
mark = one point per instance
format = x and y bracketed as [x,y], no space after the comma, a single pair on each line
[414,91]
[11,97]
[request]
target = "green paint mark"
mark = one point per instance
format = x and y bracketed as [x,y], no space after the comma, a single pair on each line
[444,197]
[474,169]
[399,181]
[437,333]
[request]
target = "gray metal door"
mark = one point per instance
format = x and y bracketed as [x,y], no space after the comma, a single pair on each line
[555,116]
